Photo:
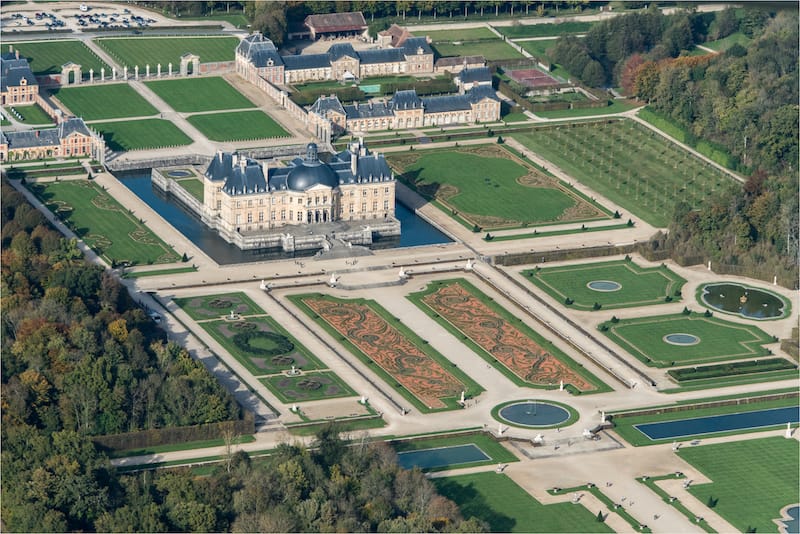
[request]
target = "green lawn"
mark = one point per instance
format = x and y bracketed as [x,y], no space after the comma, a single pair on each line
[253,358]
[544,30]
[752,480]
[616,106]
[496,452]
[194,186]
[491,50]
[164,50]
[471,34]
[199,94]
[100,102]
[104,225]
[639,286]
[539,48]
[214,306]
[507,507]
[238,126]
[719,340]
[626,426]
[47,57]
[484,186]
[32,114]
[725,43]
[141,134]
[308,387]
[630,165]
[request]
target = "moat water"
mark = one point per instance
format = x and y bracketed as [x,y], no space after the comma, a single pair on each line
[415,230]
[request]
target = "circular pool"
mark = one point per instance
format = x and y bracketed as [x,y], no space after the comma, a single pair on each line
[742,300]
[534,414]
[604,285]
[681,339]
[179,174]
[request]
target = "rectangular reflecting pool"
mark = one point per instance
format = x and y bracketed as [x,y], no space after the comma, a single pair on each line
[442,456]
[720,423]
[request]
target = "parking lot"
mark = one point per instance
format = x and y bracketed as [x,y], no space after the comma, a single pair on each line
[81,17]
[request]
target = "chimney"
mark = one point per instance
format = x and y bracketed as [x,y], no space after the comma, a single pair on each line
[234,159]
[265,169]
[16,52]
[37,133]
[354,164]
[219,154]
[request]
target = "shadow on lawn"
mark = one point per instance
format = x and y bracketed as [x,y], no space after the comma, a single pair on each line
[474,504]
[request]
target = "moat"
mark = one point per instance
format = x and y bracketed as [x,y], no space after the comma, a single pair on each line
[415,230]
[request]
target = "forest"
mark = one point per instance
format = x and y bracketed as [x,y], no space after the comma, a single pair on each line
[743,102]
[82,359]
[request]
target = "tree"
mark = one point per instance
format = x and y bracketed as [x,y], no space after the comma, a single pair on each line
[593,74]
[270,19]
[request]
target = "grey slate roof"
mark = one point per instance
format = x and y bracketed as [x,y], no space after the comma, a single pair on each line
[412,45]
[340,50]
[371,110]
[306,61]
[327,103]
[50,137]
[259,50]
[478,74]
[382,55]
[406,99]
[246,176]
[479,92]
[13,71]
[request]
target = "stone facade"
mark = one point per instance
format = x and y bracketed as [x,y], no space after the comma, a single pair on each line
[70,139]
[242,196]
[18,85]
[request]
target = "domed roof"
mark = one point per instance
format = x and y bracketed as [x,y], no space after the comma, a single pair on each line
[311,172]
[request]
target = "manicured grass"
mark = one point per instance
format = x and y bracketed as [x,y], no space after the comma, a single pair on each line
[496,452]
[104,225]
[516,117]
[239,126]
[544,375]
[392,328]
[630,165]
[142,134]
[257,363]
[32,114]
[568,231]
[489,49]
[194,186]
[47,57]
[99,102]
[470,34]
[199,94]
[616,106]
[4,121]
[625,426]
[538,48]
[215,306]
[141,274]
[718,340]
[353,425]
[639,286]
[308,387]
[164,50]
[544,30]
[488,187]
[752,480]
[721,45]
[507,507]
[611,506]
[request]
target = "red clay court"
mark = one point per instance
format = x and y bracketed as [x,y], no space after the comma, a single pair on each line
[532,78]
